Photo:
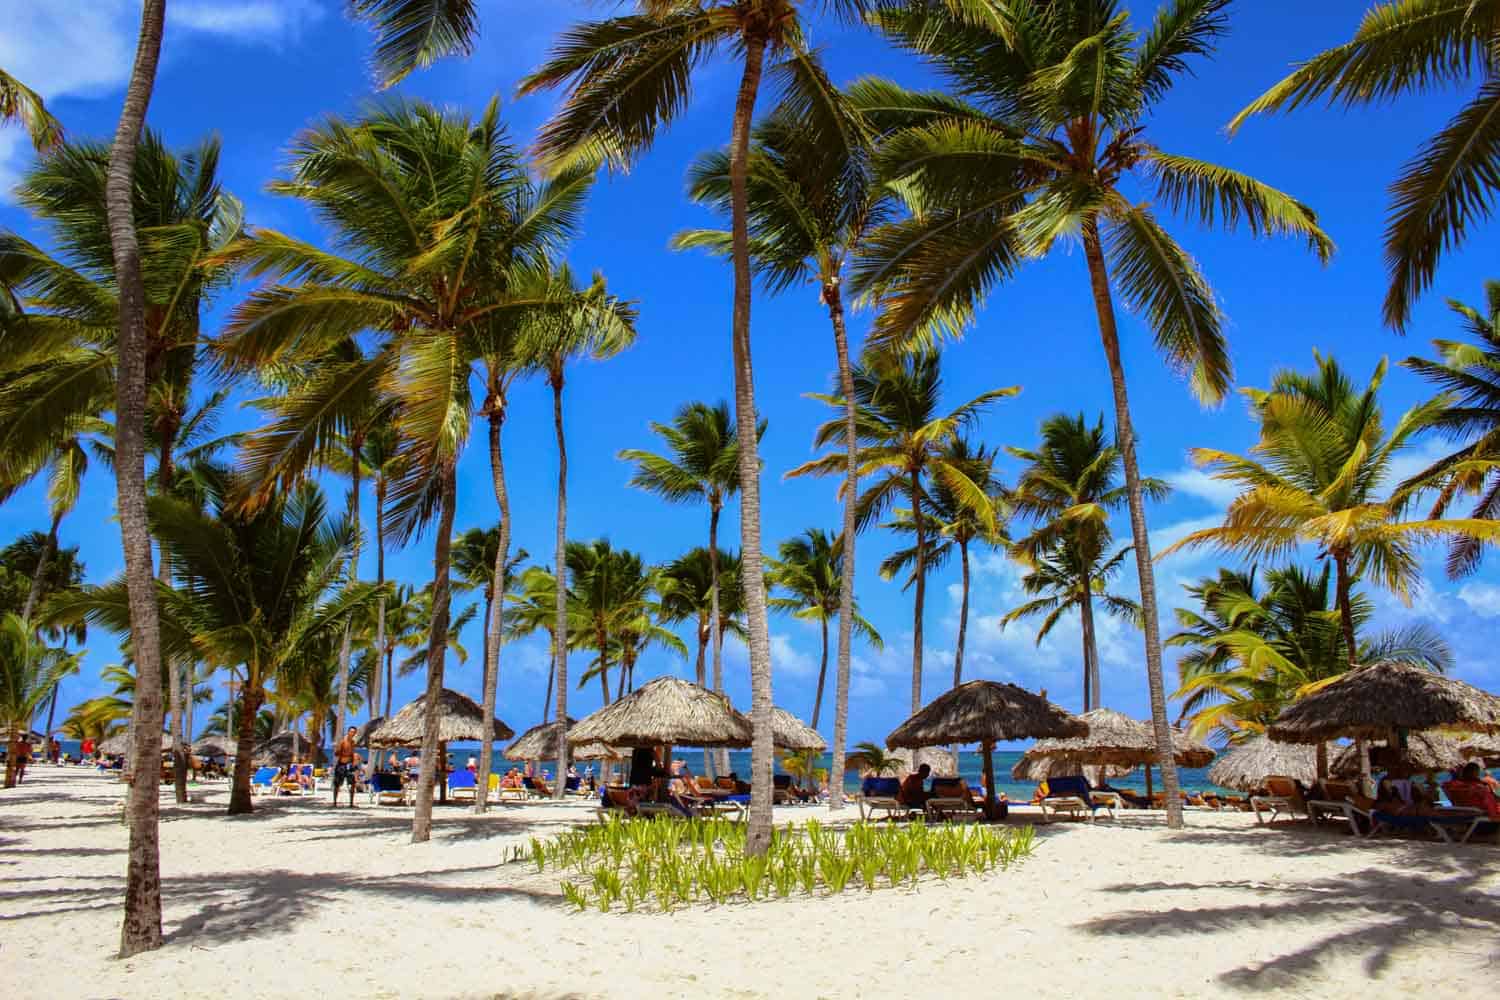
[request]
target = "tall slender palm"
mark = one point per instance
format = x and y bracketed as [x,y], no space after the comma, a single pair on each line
[65,471]
[688,595]
[628,77]
[382,457]
[903,443]
[533,608]
[1251,651]
[1404,47]
[812,200]
[1049,141]
[1068,490]
[447,249]
[1320,474]
[958,511]
[601,327]
[1467,377]
[807,569]
[24,106]
[702,467]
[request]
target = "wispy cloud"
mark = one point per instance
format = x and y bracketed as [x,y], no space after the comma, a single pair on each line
[265,22]
[1197,483]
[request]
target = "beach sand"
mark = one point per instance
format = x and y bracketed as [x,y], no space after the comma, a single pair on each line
[303,898]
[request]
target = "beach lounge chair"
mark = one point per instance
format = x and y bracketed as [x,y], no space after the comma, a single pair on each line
[263,781]
[879,795]
[1452,826]
[1282,795]
[1339,800]
[615,799]
[463,785]
[1071,795]
[951,800]
[387,789]
[1473,795]
[781,790]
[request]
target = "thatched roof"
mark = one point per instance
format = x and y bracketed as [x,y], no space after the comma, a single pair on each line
[666,711]
[598,751]
[1246,766]
[460,719]
[1030,768]
[278,751]
[1118,739]
[369,731]
[1424,752]
[942,762]
[985,711]
[791,733]
[537,743]
[1485,748]
[213,746]
[1371,702]
[120,742]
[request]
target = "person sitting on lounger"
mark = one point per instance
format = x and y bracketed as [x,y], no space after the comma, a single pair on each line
[1469,790]
[512,779]
[1399,795]
[912,793]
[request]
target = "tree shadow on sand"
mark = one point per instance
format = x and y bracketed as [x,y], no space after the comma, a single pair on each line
[1414,897]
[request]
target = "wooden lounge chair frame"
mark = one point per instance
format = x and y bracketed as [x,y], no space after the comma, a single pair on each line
[1278,802]
[892,807]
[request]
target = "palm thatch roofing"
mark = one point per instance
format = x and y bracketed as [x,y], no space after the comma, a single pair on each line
[460,719]
[597,751]
[1246,766]
[1118,739]
[120,743]
[1423,752]
[1030,768]
[365,733]
[279,751]
[791,733]
[942,762]
[1374,701]
[666,711]
[213,746]
[985,712]
[538,743]
[1484,748]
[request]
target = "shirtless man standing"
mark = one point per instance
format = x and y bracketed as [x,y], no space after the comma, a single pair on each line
[345,766]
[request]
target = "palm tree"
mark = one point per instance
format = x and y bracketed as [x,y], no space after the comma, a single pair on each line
[24,106]
[903,444]
[383,458]
[628,77]
[1319,475]
[441,297]
[873,758]
[1403,47]
[703,466]
[29,673]
[807,568]
[1050,141]
[1467,377]
[958,511]
[65,471]
[1068,490]
[811,201]
[1251,652]
[533,608]
[600,328]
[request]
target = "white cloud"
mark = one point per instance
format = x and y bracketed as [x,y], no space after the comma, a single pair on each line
[787,659]
[1198,483]
[264,21]
[1481,598]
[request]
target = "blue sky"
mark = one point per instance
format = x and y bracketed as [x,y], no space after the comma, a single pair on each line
[256,71]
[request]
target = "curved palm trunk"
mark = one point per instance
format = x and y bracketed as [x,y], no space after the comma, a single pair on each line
[918,605]
[346,646]
[700,675]
[437,648]
[380,603]
[822,672]
[846,581]
[141,929]
[560,629]
[164,476]
[1104,306]
[963,616]
[715,626]
[34,594]
[496,610]
[603,640]
[758,832]
[239,789]
[1091,695]
[1346,609]
[551,676]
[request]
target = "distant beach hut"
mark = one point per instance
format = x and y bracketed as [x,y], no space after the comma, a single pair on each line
[1424,751]
[460,720]
[1115,738]
[1386,701]
[791,733]
[1245,766]
[284,749]
[539,742]
[985,712]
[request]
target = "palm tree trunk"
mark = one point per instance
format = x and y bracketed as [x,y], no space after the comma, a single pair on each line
[239,790]
[380,603]
[1091,695]
[390,680]
[603,641]
[822,673]
[551,676]
[495,612]
[758,832]
[832,295]
[560,629]
[1346,609]
[164,477]
[437,649]
[141,929]
[356,445]
[52,708]
[1125,435]
[963,615]
[700,674]
[920,578]
[715,626]
[34,594]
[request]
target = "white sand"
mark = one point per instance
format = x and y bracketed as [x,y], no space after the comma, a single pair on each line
[301,898]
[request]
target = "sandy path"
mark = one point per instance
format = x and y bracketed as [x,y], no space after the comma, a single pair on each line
[303,898]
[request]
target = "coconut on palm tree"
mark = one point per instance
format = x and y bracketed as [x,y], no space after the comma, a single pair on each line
[1051,141]
[904,438]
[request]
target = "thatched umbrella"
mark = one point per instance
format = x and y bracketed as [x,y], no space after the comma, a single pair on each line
[212,746]
[367,734]
[1118,739]
[1245,766]
[1484,748]
[940,759]
[1380,701]
[666,712]
[1030,768]
[791,733]
[537,743]
[985,712]
[1423,751]
[595,751]
[120,743]
[282,749]
[460,719]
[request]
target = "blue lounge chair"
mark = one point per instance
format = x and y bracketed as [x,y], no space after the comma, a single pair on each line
[880,795]
[464,782]
[1071,795]
[1454,827]
[386,788]
[264,780]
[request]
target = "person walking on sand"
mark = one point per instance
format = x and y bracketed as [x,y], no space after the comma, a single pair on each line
[345,766]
